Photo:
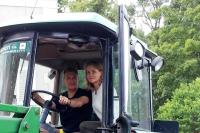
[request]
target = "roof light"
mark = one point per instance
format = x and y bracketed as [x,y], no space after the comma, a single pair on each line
[137,50]
[157,63]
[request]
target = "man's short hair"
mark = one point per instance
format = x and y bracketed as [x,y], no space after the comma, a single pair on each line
[70,69]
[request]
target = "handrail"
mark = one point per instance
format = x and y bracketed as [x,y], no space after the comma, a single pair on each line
[13,108]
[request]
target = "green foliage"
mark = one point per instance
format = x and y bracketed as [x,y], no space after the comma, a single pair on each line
[184,107]
[90,6]
[61,5]
[178,41]
[156,14]
[165,90]
[192,47]
[131,10]
[188,71]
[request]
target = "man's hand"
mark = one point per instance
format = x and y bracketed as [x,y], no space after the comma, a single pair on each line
[64,100]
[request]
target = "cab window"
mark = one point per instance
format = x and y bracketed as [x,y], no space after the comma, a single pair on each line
[138,105]
[14,61]
[41,81]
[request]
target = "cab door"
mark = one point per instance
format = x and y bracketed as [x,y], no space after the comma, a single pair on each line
[123,123]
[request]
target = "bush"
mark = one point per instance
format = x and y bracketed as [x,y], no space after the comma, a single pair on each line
[184,107]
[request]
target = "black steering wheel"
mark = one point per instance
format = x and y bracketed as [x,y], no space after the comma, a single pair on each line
[55,98]
[46,109]
[47,103]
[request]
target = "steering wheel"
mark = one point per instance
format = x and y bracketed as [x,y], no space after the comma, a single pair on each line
[48,103]
[46,109]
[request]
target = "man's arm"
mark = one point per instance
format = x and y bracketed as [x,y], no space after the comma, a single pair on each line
[75,102]
[79,102]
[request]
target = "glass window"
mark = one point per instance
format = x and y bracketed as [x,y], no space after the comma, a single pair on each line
[14,60]
[115,83]
[116,94]
[138,106]
[41,81]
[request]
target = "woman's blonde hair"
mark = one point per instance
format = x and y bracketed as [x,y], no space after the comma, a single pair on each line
[96,65]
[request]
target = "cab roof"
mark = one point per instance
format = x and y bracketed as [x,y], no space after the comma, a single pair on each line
[64,39]
[91,24]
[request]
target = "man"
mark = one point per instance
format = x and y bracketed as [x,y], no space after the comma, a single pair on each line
[77,101]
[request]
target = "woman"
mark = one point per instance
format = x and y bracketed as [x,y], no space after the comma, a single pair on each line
[94,75]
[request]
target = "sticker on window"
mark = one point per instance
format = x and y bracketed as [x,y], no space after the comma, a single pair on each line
[16,47]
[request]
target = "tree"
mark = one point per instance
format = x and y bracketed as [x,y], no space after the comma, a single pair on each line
[178,41]
[62,5]
[151,12]
[184,107]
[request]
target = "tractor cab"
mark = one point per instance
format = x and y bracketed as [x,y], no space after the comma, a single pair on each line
[34,53]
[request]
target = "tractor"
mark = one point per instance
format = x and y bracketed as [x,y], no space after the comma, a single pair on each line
[35,52]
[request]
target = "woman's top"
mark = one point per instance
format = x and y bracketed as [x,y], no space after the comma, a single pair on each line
[97,102]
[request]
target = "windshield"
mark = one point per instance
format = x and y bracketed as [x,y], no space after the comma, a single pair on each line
[14,60]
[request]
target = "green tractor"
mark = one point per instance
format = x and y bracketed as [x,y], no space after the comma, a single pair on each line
[32,51]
